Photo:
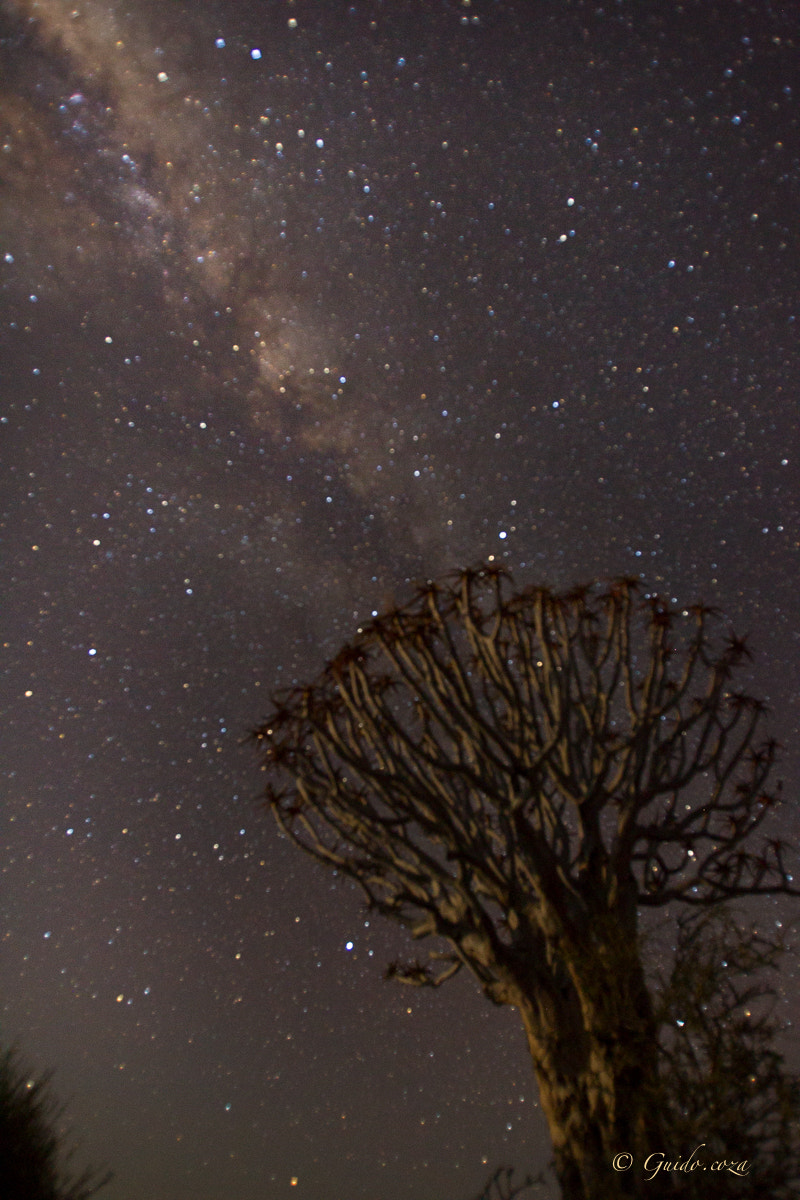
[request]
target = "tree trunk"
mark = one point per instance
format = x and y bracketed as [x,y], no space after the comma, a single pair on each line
[596,1062]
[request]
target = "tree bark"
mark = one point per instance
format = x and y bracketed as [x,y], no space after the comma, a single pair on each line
[595,1057]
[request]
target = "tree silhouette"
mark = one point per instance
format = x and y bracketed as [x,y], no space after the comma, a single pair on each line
[34,1164]
[724,1076]
[501,1185]
[516,774]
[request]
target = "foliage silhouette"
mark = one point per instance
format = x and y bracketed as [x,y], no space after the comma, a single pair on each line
[725,1081]
[515,775]
[34,1163]
[501,1185]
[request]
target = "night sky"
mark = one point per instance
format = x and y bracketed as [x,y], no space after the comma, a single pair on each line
[300,303]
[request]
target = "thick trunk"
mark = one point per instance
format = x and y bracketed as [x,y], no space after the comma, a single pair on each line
[596,1063]
[595,1102]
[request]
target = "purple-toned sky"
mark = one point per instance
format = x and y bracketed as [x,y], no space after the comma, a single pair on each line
[301,302]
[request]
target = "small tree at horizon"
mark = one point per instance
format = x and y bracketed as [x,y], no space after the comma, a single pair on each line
[34,1160]
[517,774]
[502,1185]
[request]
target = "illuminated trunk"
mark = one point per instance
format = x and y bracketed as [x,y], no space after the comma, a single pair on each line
[596,1063]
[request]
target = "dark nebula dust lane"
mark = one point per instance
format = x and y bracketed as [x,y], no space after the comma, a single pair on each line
[301,303]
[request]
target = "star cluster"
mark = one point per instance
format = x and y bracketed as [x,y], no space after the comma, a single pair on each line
[300,303]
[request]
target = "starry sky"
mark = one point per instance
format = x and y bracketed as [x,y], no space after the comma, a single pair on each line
[300,303]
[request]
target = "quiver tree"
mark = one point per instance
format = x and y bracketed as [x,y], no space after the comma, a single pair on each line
[516,774]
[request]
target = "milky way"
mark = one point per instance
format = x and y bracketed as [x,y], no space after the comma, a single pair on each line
[301,303]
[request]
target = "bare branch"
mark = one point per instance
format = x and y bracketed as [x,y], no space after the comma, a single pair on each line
[569,747]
